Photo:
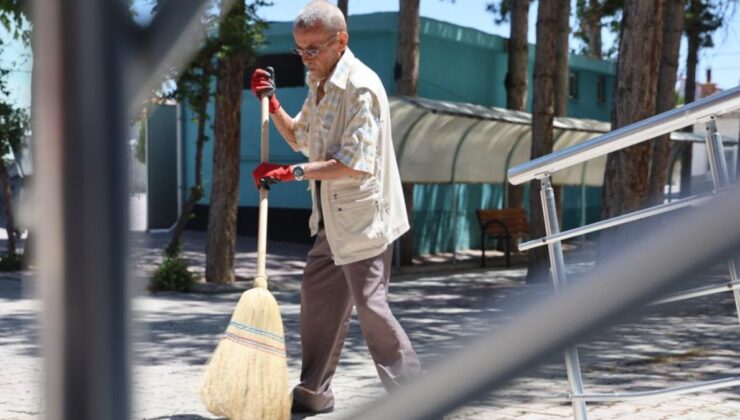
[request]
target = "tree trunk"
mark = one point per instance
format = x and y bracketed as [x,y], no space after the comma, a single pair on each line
[673,20]
[561,84]
[591,28]
[561,61]
[516,73]
[408,47]
[226,151]
[626,173]
[9,223]
[407,64]
[517,77]
[196,192]
[692,60]
[543,109]
[344,7]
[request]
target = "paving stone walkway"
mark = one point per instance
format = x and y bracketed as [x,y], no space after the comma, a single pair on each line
[440,309]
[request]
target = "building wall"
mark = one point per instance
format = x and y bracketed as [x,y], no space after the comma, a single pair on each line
[456,64]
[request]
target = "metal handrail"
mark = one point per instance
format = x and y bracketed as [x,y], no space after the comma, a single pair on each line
[627,136]
[617,286]
[619,220]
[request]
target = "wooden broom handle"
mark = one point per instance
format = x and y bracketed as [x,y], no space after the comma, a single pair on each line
[261,278]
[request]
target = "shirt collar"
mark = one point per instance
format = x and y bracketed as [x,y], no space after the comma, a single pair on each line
[338,76]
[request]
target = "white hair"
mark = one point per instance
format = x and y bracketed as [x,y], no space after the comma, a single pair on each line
[320,14]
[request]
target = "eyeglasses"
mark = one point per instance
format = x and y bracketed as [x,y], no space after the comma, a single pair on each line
[315,51]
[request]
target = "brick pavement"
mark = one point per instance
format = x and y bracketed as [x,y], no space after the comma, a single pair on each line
[175,334]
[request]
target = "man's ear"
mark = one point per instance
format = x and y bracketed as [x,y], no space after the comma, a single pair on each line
[343,38]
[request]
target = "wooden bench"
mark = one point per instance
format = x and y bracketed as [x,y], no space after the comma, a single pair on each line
[506,224]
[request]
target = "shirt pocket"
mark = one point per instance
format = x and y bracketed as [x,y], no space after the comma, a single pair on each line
[358,212]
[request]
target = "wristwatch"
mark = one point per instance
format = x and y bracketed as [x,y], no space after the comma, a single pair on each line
[298,172]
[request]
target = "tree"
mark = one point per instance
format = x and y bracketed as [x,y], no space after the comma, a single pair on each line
[627,170]
[407,74]
[543,109]
[194,89]
[673,23]
[16,20]
[13,16]
[517,73]
[561,61]
[517,12]
[702,18]
[14,126]
[590,15]
[239,34]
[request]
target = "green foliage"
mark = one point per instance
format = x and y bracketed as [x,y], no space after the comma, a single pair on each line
[608,13]
[13,17]
[14,122]
[703,17]
[680,99]
[232,34]
[501,10]
[12,262]
[172,275]
[14,126]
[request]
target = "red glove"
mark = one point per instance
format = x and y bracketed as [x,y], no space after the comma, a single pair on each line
[263,83]
[267,174]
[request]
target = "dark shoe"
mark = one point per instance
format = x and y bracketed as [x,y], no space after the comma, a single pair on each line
[299,408]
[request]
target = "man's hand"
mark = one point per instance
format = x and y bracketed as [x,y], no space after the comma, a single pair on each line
[263,83]
[267,174]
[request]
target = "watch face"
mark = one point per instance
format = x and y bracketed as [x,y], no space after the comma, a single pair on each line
[298,172]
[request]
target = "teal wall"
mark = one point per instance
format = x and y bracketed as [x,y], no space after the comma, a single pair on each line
[456,64]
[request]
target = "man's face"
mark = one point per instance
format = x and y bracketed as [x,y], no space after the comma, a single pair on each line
[319,49]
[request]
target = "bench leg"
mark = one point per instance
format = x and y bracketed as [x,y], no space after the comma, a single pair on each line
[508,252]
[483,248]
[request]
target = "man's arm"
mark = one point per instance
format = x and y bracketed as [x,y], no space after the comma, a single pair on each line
[263,83]
[286,127]
[328,169]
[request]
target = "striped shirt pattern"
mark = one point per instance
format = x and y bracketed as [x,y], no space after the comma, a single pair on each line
[358,145]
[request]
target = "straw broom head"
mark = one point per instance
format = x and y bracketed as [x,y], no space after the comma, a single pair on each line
[247,376]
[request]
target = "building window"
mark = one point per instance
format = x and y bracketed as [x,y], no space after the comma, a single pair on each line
[289,69]
[600,89]
[573,85]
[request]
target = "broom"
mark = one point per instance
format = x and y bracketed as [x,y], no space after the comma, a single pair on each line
[247,376]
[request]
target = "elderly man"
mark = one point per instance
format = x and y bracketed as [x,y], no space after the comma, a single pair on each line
[358,210]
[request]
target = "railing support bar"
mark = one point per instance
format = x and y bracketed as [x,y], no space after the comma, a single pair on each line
[696,200]
[721,178]
[678,390]
[557,268]
[698,292]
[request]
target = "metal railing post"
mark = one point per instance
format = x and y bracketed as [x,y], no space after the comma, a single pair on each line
[721,178]
[557,269]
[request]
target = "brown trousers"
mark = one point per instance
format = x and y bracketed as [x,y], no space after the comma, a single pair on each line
[328,293]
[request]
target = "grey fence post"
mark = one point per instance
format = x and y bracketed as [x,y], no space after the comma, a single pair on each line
[557,269]
[91,67]
[79,127]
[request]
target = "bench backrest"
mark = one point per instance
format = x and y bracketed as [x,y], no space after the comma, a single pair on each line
[514,218]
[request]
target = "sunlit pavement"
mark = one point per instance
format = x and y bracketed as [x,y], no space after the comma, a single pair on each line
[441,310]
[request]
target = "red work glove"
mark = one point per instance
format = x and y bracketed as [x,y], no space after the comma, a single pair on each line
[263,83]
[267,174]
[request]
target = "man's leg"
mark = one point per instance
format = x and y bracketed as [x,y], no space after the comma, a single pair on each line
[394,357]
[325,310]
